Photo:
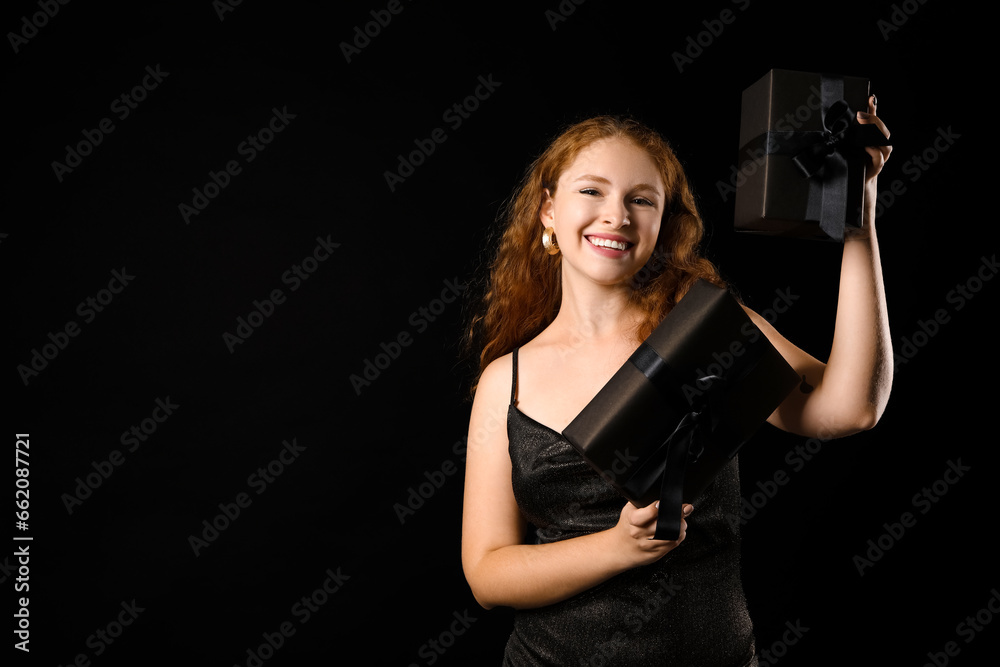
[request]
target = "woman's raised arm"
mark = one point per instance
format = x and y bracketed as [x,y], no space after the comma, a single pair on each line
[850,391]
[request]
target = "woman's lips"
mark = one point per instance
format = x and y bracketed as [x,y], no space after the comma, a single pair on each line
[613,246]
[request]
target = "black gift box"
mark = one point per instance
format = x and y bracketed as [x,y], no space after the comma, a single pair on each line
[683,404]
[802,160]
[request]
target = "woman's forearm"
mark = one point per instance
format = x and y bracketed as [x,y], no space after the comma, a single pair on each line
[535,575]
[859,371]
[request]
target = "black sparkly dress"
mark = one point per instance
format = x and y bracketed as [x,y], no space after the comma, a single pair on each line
[686,609]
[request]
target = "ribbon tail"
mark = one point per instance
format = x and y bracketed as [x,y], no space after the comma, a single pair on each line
[668,521]
[646,474]
[833,219]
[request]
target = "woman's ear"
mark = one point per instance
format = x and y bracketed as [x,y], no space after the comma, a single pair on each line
[546,213]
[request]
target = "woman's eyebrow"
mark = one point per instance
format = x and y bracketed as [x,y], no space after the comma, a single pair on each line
[591,177]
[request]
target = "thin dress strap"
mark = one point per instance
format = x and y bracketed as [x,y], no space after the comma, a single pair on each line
[513,382]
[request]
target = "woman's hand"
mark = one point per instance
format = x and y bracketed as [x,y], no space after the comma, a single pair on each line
[635,530]
[878,154]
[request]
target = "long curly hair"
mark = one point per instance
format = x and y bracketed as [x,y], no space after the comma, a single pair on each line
[523,291]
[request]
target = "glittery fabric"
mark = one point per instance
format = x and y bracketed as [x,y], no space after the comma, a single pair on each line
[687,609]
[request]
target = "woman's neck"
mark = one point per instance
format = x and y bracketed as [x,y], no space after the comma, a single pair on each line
[595,314]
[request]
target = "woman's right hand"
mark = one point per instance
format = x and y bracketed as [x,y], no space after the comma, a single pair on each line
[636,527]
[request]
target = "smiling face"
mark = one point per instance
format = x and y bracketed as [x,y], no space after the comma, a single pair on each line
[606,211]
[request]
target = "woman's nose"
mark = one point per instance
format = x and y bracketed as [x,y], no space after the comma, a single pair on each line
[616,216]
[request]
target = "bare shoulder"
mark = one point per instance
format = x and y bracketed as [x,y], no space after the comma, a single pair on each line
[488,421]
[496,379]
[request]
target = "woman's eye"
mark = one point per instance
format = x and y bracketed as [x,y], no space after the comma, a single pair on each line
[636,200]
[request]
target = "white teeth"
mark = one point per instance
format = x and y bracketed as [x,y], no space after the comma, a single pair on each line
[606,243]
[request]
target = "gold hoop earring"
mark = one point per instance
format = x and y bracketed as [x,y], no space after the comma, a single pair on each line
[549,241]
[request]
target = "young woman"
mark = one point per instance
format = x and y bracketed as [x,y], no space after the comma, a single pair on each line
[601,241]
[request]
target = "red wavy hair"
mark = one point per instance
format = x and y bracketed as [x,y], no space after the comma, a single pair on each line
[523,291]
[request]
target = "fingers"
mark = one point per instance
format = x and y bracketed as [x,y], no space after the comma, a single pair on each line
[879,154]
[643,522]
[871,117]
[647,515]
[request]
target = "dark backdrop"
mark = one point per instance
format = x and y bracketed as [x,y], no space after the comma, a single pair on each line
[239,365]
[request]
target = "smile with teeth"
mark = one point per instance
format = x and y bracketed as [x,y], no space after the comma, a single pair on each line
[608,243]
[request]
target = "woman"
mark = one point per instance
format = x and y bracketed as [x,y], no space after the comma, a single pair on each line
[601,241]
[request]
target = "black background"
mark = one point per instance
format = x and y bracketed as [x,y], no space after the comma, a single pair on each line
[368,447]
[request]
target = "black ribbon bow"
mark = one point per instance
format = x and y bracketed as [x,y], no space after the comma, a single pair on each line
[830,142]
